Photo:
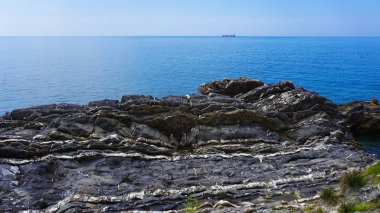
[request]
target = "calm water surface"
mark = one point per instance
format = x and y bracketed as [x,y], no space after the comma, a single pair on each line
[42,70]
[370,143]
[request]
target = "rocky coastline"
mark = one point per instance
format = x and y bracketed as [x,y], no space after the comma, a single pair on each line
[240,145]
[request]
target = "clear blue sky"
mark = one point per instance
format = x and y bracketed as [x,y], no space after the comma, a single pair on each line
[191,17]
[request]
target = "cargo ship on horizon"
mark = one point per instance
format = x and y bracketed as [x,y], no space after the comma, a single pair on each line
[229,35]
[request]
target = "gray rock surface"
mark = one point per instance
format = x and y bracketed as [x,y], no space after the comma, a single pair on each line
[363,117]
[241,146]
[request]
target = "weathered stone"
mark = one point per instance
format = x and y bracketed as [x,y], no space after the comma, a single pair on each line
[103,103]
[240,141]
[362,117]
[20,114]
[138,99]
[230,87]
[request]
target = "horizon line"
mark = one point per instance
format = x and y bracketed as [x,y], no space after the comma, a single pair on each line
[188,35]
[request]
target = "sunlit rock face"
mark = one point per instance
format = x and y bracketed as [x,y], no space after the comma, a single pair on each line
[240,146]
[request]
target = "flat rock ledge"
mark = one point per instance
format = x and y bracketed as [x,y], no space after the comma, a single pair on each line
[239,146]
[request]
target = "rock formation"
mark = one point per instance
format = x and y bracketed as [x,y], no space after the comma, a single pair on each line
[363,117]
[239,146]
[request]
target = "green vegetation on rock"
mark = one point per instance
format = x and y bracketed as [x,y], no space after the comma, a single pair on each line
[350,184]
[192,206]
[319,210]
[373,172]
[358,207]
[346,208]
[374,169]
[361,207]
[329,196]
[309,207]
[353,181]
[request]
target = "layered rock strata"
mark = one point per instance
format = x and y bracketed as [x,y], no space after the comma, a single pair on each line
[239,146]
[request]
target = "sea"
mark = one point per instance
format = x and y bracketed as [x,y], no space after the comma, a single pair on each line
[44,70]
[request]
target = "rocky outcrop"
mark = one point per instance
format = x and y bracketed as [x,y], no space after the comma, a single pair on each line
[230,87]
[363,117]
[240,146]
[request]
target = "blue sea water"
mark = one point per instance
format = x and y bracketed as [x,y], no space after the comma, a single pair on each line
[43,70]
[370,143]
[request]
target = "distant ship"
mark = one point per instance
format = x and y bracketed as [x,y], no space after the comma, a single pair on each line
[229,35]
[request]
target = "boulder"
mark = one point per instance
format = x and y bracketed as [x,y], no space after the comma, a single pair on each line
[230,87]
[362,117]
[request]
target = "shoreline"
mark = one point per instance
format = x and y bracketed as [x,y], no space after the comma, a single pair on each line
[239,145]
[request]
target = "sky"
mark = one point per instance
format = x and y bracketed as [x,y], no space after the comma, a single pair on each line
[189,17]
